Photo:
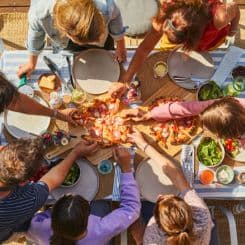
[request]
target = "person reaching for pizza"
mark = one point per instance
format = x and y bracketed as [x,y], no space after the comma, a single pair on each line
[13,100]
[183,219]
[224,117]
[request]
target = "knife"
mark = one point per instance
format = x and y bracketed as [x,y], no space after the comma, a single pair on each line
[54,68]
[69,69]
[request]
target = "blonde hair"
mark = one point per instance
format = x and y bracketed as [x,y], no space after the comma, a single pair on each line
[79,19]
[174,216]
[225,118]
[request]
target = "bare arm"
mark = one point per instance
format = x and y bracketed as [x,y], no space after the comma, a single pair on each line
[174,173]
[141,53]
[55,177]
[225,14]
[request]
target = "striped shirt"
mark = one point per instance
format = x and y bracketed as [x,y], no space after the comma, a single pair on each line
[17,209]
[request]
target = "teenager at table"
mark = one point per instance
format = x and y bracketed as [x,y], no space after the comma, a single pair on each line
[224,117]
[21,199]
[73,25]
[11,99]
[176,220]
[74,221]
[195,24]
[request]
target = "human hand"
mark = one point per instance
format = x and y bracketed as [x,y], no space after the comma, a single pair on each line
[120,54]
[26,69]
[122,157]
[137,138]
[85,148]
[136,114]
[117,89]
[68,115]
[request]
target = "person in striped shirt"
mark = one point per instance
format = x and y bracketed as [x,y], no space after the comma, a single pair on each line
[21,199]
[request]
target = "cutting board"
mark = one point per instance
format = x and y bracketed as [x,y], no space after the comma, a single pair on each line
[166,91]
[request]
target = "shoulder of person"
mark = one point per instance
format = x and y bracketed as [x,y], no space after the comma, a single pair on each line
[40,9]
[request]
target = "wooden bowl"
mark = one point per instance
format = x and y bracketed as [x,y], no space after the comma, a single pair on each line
[46,90]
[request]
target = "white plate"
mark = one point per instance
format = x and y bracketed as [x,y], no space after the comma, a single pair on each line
[87,185]
[19,125]
[94,70]
[152,181]
[195,66]
[240,157]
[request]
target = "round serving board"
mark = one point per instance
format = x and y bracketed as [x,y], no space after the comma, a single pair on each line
[152,181]
[21,125]
[87,185]
[94,70]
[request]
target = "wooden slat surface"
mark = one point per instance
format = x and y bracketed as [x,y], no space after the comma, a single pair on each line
[9,3]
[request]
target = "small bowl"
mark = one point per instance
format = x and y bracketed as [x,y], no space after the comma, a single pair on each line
[105,167]
[72,185]
[57,83]
[206,177]
[160,69]
[228,173]
[79,102]
[205,84]
[220,146]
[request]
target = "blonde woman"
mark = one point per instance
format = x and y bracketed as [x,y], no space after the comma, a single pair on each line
[75,25]
[183,220]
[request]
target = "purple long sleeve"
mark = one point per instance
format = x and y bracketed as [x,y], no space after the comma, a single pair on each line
[100,230]
[174,110]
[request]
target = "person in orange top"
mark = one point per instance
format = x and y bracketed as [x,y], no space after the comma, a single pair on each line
[195,24]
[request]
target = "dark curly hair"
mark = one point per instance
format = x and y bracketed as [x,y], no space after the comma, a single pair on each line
[8,92]
[189,19]
[19,160]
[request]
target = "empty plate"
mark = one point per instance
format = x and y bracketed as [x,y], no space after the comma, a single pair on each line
[87,185]
[152,181]
[94,70]
[20,125]
[189,70]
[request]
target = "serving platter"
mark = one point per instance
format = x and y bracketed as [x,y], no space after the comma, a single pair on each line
[21,125]
[94,70]
[87,185]
[152,181]
[189,70]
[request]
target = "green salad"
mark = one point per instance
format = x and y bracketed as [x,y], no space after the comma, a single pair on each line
[209,152]
[72,175]
[210,91]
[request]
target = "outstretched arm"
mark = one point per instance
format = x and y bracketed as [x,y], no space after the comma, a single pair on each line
[141,53]
[174,173]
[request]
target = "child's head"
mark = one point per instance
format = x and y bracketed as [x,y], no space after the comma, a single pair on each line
[19,160]
[174,216]
[184,21]
[225,118]
[80,20]
[69,219]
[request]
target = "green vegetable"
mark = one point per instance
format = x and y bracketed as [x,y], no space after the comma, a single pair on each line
[77,95]
[210,91]
[72,175]
[209,152]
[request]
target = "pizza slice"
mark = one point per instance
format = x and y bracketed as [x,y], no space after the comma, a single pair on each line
[161,132]
[189,125]
[177,135]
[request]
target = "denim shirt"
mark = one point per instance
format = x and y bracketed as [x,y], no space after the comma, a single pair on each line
[41,23]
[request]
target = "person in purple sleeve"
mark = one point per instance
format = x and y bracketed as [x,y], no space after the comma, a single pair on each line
[73,221]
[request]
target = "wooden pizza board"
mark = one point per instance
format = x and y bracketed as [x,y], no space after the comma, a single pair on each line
[166,91]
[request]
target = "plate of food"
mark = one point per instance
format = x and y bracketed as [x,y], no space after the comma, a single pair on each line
[225,174]
[21,125]
[157,182]
[187,70]
[209,91]
[94,70]
[234,149]
[49,82]
[210,152]
[82,179]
